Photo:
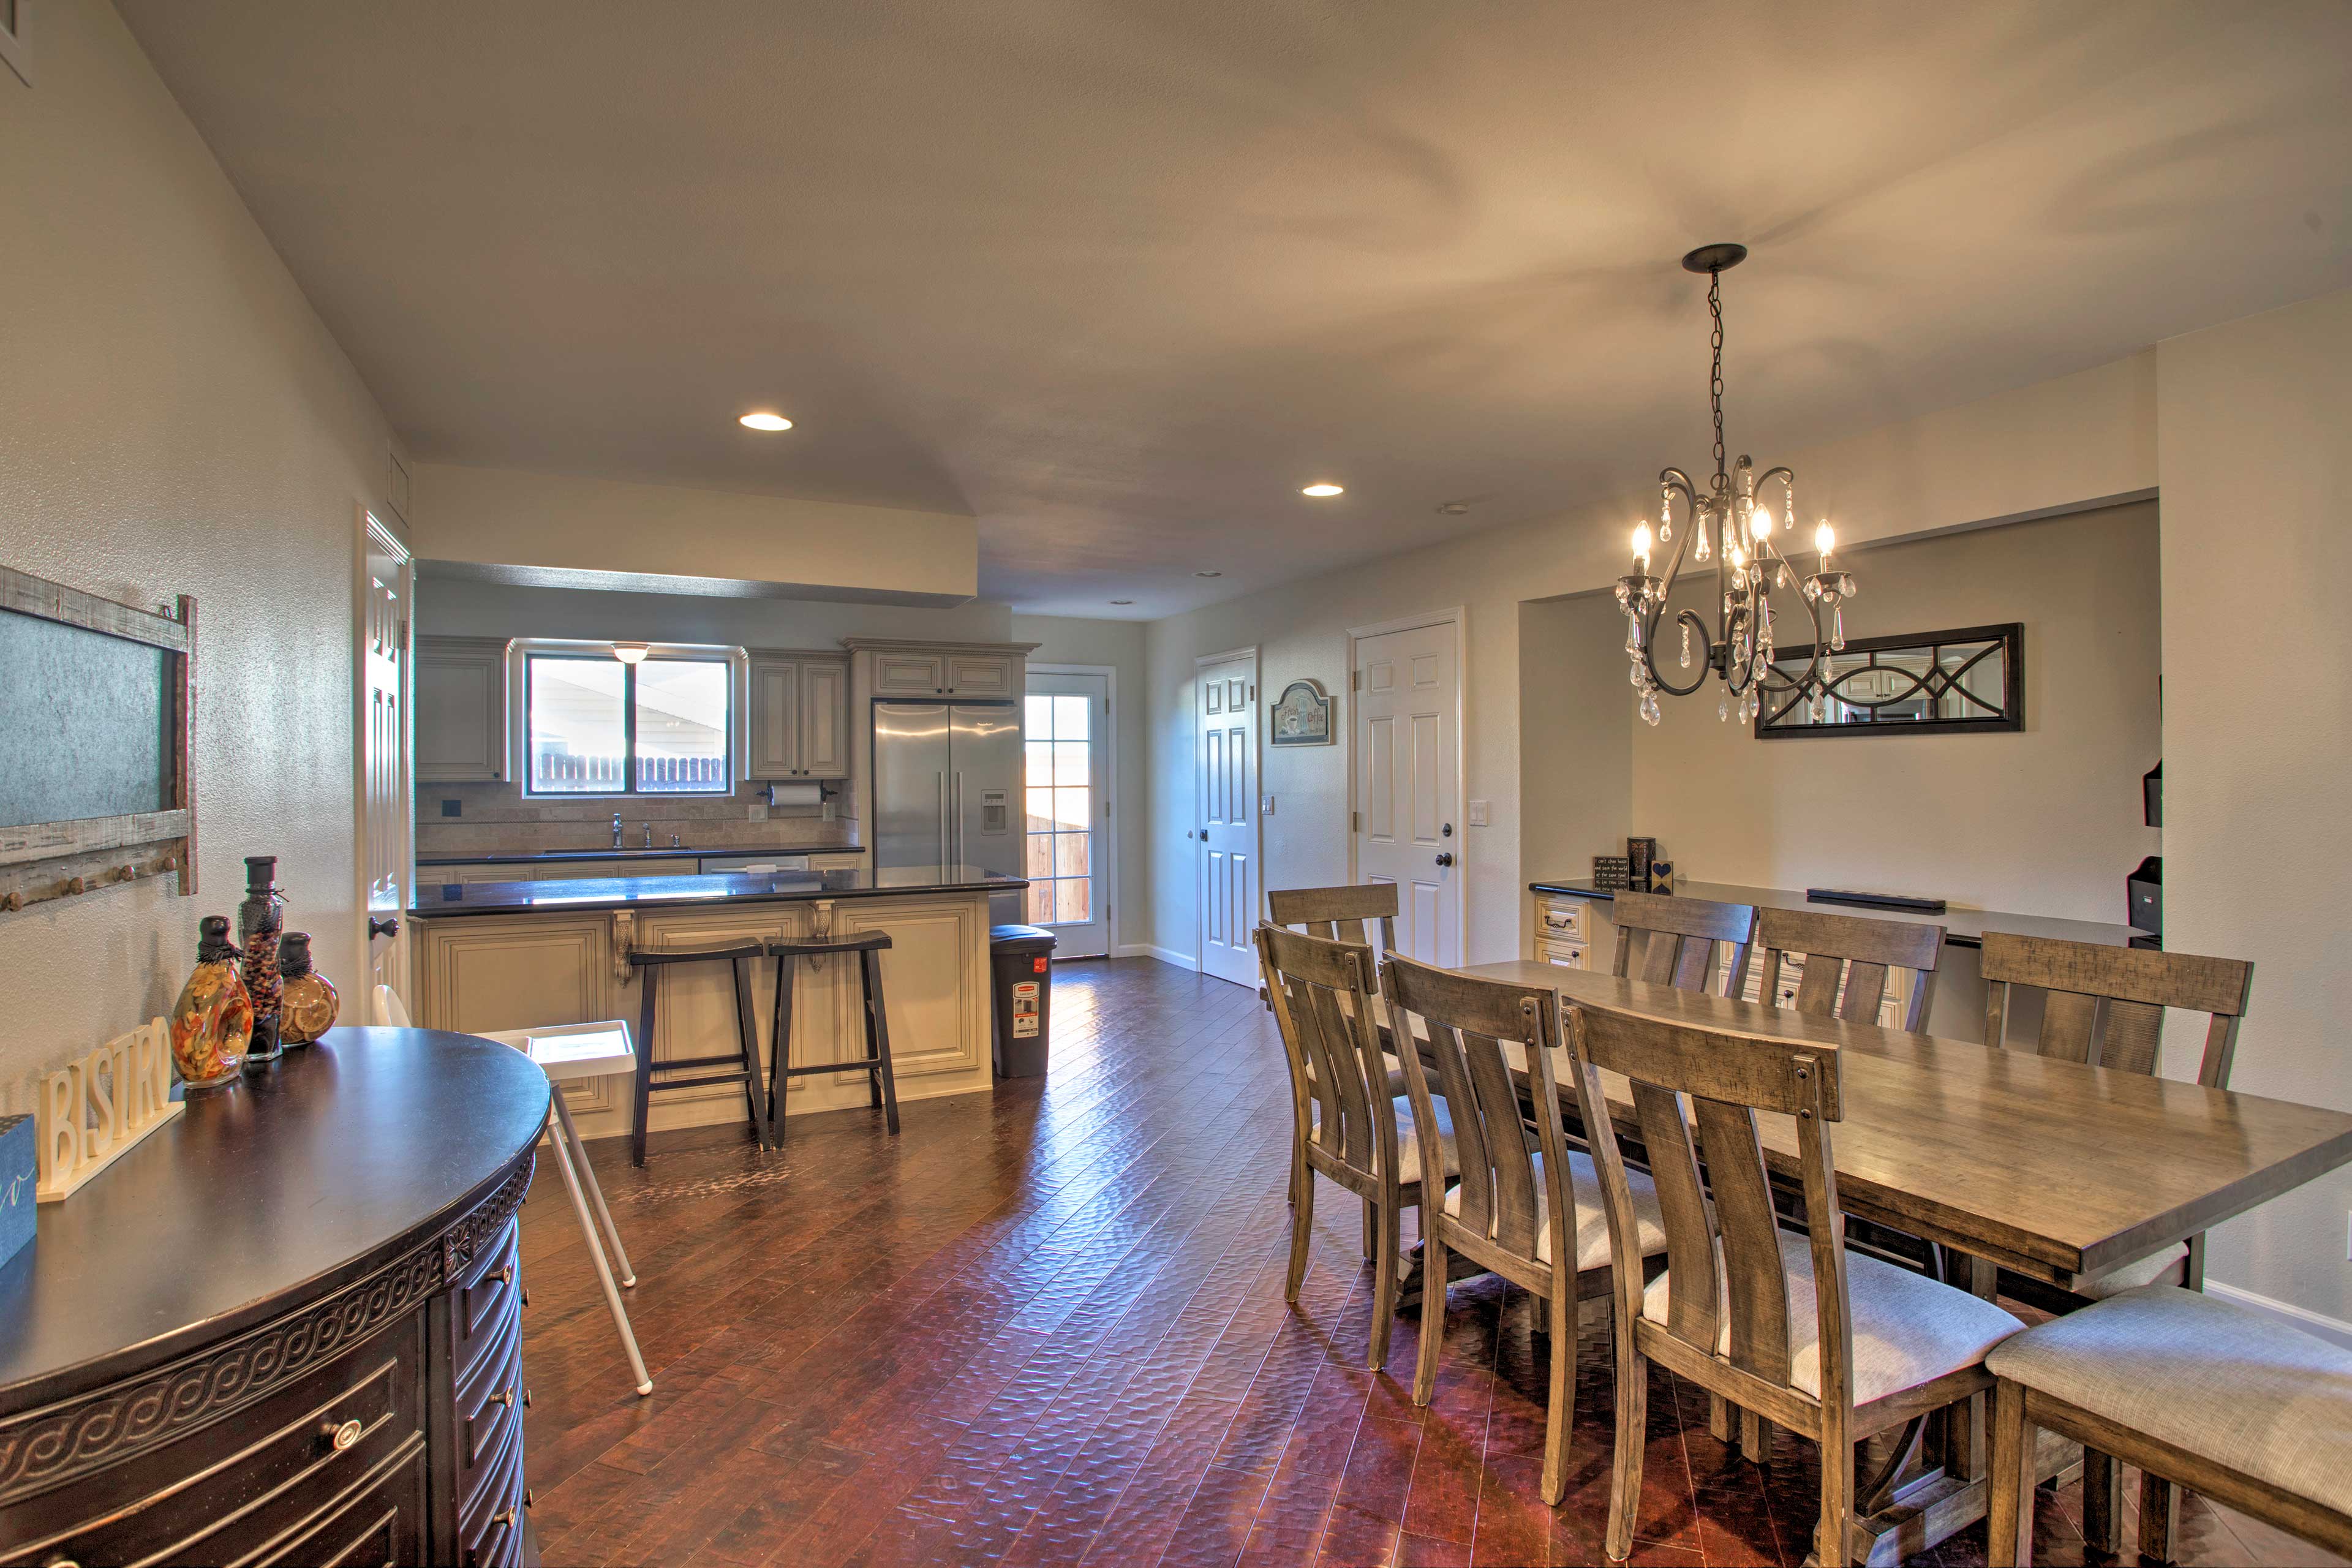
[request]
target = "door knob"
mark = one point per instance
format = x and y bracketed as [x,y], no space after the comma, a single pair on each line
[1445,857]
[389,926]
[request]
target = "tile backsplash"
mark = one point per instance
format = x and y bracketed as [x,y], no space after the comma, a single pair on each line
[495,819]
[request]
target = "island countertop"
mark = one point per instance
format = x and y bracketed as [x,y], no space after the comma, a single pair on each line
[674,852]
[587,894]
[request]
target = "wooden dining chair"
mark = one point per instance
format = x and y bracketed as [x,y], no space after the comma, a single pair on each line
[1344,1122]
[1836,1347]
[2206,1394]
[2104,1007]
[1680,939]
[1340,915]
[1846,960]
[1535,1218]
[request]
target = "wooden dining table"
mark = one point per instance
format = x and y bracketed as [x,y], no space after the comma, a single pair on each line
[2055,1170]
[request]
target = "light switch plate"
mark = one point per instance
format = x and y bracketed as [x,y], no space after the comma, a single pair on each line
[1477,813]
[758,811]
[1266,806]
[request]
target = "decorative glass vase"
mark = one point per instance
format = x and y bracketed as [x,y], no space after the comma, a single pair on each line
[306,1004]
[259,920]
[212,1023]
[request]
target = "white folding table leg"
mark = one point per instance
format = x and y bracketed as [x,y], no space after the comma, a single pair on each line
[564,1155]
[588,1175]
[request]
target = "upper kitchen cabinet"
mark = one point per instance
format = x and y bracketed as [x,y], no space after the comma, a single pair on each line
[460,710]
[799,716]
[977,671]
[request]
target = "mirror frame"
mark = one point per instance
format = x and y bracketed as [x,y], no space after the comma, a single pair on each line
[2010,637]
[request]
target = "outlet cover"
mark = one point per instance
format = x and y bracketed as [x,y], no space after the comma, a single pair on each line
[453,808]
[1266,806]
[1477,813]
[758,811]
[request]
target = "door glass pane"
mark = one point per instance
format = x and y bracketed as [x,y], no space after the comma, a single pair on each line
[1072,715]
[1072,762]
[1037,757]
[577,738]
[1070,854]
[1041,810]
[1041,855]
[1073,808]
[1041,717]
[682,727]
[1073,901]
[1041,903]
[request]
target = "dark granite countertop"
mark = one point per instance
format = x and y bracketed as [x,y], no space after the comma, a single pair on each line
[439,900]
[682,852]
[1962,928]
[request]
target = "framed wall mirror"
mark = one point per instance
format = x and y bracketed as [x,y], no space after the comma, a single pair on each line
[1952,682]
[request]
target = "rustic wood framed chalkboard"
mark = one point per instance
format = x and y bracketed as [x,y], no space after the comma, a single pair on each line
[96,704]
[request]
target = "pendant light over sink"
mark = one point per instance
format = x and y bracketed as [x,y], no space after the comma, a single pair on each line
[1734,529]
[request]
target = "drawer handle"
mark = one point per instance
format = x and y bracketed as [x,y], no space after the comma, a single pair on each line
[60,1562]
[526,1297]
[505,1276]
[504,1396]
[341,1438]
[526,1404]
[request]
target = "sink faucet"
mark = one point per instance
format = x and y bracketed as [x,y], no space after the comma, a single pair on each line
[616,831]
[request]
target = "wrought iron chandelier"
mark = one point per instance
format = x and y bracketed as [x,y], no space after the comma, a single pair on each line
[1733,527]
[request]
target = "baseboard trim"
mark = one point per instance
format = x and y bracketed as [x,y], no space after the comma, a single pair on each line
[1146,950]
[2335,1330]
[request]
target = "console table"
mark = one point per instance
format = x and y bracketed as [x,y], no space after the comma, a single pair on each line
[286,1327]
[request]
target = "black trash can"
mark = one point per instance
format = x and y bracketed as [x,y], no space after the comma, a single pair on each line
[1022,958]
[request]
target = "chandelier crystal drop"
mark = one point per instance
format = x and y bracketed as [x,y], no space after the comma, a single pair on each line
[1730,525]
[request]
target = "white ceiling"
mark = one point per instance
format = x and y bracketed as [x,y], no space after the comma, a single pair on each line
[1120,278]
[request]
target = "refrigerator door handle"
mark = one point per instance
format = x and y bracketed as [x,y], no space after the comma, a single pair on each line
[959,817]
[939,782]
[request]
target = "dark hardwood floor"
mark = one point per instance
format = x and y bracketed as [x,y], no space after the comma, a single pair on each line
[1046,1326]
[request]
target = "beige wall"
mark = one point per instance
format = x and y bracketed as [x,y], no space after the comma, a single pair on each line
[1576,736]
[2255,441]
[2060,445]
[1068,640]
[499,517]
[460,606]
[174,418]
[2046,821]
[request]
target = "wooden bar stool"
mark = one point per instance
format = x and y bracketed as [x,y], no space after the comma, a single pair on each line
[743,1066]
[876,1064]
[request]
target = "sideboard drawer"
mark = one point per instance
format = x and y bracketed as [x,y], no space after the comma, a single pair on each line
[488,1295]
[1562,922]
[235,1489]
[1566,954]
[489,1405]
[380,1522]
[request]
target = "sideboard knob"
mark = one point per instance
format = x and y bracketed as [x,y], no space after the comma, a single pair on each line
[340,1438]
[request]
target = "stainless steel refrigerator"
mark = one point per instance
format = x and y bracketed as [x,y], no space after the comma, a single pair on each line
[947,790]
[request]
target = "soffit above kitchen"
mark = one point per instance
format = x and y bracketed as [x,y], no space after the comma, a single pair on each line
[1118,281]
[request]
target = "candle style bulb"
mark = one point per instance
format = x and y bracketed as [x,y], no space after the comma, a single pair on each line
[1642,545]
[1825,540]
[1760,522]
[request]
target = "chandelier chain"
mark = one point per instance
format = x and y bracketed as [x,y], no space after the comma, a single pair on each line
[1714,382]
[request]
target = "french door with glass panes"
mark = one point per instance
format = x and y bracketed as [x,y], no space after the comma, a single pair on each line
[1067,727]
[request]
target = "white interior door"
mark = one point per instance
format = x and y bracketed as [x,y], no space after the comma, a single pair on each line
[1066,736]
[1407,703]
[1225,754]
[386,799]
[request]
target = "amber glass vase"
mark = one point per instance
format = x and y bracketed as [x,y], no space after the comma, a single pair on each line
[307,1003]
[212,1023]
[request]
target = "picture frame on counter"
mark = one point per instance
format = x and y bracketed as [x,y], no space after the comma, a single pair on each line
[1302,717]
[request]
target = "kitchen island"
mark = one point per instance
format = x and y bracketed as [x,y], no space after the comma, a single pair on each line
[519,955]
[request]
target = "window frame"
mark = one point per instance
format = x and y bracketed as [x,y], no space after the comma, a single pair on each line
[521,651]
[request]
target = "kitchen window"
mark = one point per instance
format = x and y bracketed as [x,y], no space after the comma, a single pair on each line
[595,726]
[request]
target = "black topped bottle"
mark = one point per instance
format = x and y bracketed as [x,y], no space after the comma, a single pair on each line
[260,921]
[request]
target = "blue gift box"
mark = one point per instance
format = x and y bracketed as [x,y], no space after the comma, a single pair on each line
[18,1178]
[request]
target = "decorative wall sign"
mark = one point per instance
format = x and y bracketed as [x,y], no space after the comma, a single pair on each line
[1303,717]
[92,1109]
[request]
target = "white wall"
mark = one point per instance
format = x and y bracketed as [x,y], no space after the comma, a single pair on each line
[498,517]
[463,607]
[1067,639]
[175,418]
[2053,446]
[2255,441]
[2046,821]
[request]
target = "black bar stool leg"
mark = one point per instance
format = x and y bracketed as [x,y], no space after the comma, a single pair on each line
[647,982]
[747,1036]
[878,1023]
[778,1072]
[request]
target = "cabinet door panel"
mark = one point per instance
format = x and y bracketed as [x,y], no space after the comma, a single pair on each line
[825,721]
[775,740]
[979,675]
[460,713]
[908,675]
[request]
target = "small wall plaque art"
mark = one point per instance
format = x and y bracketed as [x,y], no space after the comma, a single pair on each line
[1303,717]
[92,1111]
[1609,873]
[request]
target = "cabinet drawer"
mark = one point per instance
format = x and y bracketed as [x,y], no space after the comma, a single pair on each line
[1566,954]
[489,1522]
[488,1297]
[1562,923]
[489,1407]
[908,675]
[244,1487]
[380,1522]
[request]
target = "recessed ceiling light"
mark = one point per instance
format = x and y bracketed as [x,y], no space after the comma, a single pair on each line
[764,421]
[1322,487]
[1453,509]
[1122,601]
[1208,574]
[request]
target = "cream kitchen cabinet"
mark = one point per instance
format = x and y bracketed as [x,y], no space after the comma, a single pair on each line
[985,672]
[799,713]
[461,710]
[909,675]
[554,870]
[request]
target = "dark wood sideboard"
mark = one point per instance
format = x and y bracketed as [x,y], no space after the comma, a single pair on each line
[287,1327]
